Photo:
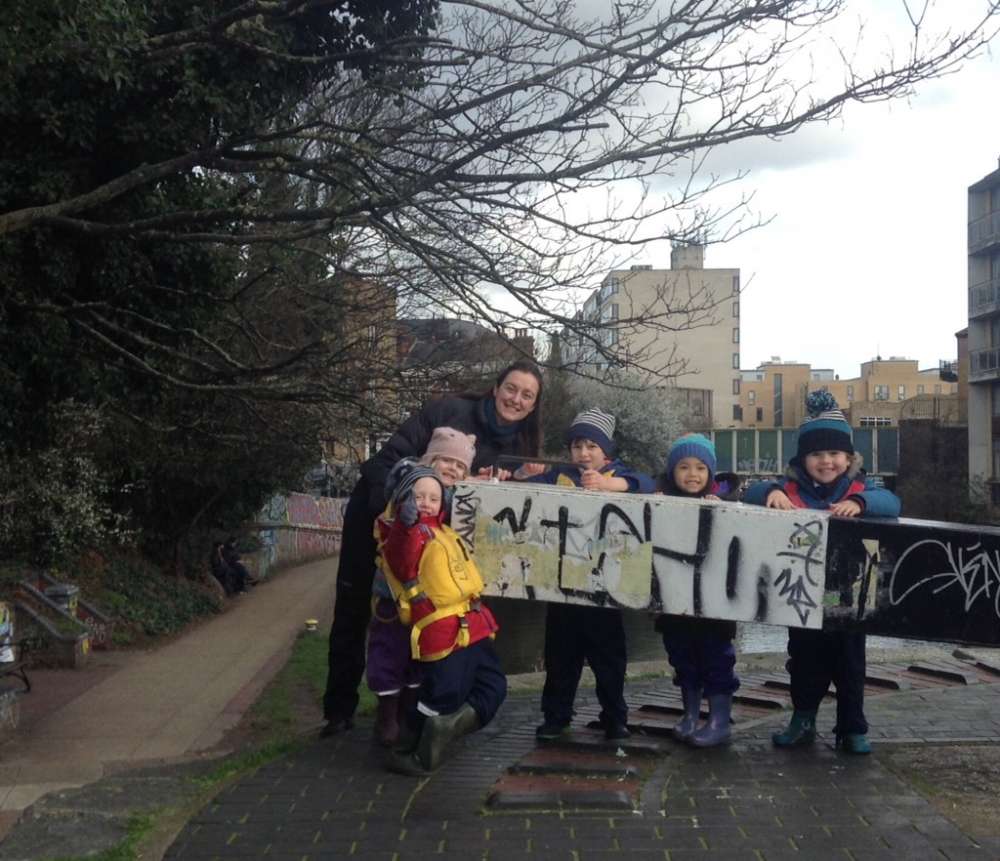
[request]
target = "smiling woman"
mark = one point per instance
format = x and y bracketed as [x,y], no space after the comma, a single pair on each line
[506,419]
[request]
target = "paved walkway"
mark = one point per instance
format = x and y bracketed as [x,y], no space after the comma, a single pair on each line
[500,796]
[171,702]
[748,801]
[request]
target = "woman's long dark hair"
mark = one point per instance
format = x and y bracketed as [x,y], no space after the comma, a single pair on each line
[529,435]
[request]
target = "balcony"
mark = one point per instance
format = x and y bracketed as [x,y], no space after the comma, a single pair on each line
[984,365]
[948,371]
[984,233]
[984,298]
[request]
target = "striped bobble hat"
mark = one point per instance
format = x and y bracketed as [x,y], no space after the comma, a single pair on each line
[406,473]
[692,445]
[825,429]
[595,425]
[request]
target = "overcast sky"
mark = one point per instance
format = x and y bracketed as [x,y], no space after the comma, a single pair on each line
[866,253]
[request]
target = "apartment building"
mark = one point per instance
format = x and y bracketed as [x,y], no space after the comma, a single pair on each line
[774,393]
[681,324]
[984,331]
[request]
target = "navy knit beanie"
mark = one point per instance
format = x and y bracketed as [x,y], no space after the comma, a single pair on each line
[406,473]
[825,429]
[692,445]
[595,425]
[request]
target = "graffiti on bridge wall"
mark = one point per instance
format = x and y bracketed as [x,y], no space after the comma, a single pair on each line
[301,509]
[712,559]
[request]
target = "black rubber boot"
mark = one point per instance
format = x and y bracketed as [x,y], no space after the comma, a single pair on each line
[387,720]
[440,731]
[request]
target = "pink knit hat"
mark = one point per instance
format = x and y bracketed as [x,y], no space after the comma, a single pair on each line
[448,442]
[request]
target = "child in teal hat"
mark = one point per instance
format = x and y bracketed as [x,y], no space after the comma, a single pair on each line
[701,651]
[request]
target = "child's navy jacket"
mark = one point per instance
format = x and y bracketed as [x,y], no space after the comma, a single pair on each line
[567,476]
[854,484]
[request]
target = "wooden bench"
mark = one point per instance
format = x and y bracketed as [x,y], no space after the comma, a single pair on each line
[19,666]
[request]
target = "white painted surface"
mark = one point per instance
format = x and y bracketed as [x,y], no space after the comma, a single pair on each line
[719,560]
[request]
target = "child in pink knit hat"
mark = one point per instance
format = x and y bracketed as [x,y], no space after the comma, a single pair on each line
[392,674]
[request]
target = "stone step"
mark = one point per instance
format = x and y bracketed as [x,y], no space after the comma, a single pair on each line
[553,792]
[595,742]
[549,760]
[955,675]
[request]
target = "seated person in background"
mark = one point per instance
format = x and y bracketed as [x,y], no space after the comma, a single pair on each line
[241,575]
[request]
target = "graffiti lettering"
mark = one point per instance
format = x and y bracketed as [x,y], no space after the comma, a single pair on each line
[668,555]
[975,572]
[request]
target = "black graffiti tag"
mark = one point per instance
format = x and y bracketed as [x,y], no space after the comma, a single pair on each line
[805,544]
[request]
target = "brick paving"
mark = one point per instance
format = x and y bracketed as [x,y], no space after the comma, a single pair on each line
[746,801]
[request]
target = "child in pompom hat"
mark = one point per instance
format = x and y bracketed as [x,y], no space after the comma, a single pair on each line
[575,633]
[826,474]
[700,650]
[393,676]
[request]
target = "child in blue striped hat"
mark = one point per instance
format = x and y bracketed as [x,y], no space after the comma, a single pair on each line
[575,633]
[701,651]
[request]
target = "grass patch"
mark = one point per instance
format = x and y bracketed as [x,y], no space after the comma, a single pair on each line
[139,827]
[290,705]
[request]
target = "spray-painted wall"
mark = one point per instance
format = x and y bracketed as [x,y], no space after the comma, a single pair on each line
[296,528]
[803,568]
[663,554]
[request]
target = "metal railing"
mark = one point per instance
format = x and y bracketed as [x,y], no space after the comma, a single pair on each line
[984,298]
[984,231]
[984,364]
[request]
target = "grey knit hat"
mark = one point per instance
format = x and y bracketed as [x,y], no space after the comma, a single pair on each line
[595,425]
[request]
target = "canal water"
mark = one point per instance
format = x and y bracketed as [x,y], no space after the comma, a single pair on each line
[752,638]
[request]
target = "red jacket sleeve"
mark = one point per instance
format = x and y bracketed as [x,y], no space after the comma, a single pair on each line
[403,547]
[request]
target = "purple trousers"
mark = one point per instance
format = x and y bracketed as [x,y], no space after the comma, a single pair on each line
[390,667]
[701,652]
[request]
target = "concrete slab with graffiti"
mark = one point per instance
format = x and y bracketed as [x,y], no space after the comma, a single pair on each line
[919,579]
[714,559]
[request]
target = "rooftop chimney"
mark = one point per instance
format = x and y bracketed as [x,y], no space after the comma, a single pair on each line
[687,256]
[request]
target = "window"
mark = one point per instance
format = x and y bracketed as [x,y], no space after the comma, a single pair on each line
[995,400]
[874,421]
[760,414]
[881,393]
[850,393]
[920,389]
[697,406]
[736,336]
[995,332]
[736,386]
[901,396]
[751,397]
[737,413]
[736,285]
[736,361]
[937,389]
[996,457]
[736,309]
[614,310]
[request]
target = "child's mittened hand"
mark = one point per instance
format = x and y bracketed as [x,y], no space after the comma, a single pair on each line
[591,479]
[711,497]
[529,470]
[846,508]
[779,499]
[408,513]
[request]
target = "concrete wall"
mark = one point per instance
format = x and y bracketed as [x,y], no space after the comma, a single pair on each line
[296,528]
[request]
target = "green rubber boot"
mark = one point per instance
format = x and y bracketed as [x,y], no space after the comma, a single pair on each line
[801,731]
[855,742]
[440,731]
